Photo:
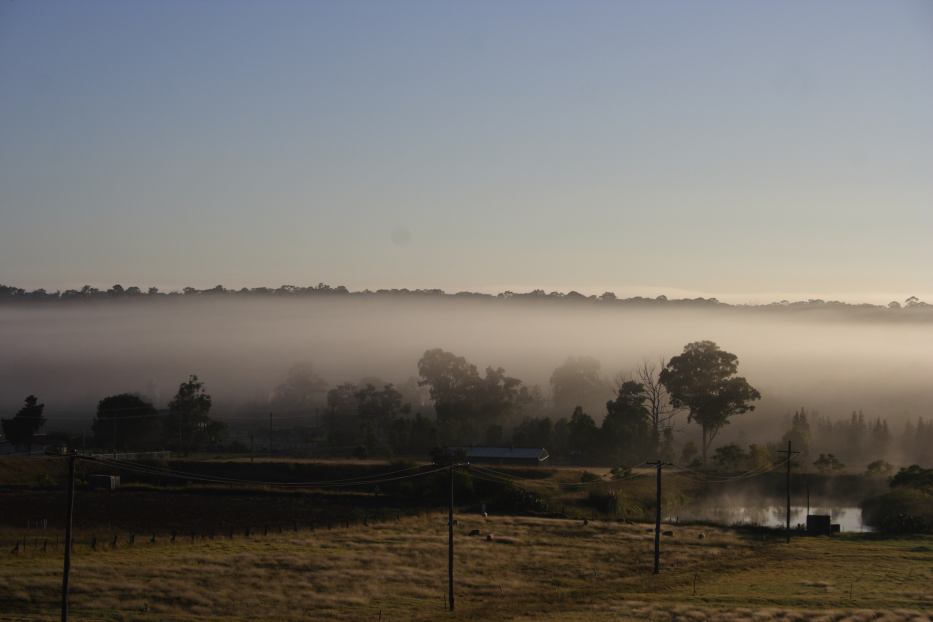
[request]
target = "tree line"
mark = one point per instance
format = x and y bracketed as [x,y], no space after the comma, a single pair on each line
[585,417]
[9,293]
[469,407]
[129,422]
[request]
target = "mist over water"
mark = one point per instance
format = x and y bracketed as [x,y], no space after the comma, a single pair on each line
[774,515]
[73,355]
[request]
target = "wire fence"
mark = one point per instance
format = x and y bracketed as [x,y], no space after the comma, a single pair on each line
[33,540]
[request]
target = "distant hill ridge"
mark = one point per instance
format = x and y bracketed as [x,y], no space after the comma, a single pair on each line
[11,294]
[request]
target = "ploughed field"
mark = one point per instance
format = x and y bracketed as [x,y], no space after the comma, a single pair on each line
[529,568]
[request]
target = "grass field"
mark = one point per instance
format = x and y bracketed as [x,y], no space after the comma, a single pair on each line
[532,569]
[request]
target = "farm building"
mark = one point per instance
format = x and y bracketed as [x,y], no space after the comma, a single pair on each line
[526,456]
[821,525]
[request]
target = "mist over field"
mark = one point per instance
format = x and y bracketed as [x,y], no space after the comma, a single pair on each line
[71,356]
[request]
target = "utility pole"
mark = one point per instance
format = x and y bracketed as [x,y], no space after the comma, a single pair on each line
[657,518]
[450,539]
[450,532]
[790,455]
[68,535]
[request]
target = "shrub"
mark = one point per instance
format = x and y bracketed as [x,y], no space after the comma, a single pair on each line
[828,463]
[903,510]
[878,468]
[914,476]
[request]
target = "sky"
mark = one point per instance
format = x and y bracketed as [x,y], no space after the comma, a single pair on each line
[750,151]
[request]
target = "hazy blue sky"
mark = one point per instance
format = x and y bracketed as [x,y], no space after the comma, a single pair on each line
[746,150]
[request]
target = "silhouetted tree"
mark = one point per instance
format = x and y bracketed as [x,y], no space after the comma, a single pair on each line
[657,400]
[828,463]
[20,430]
[799,433]
[302,392]
[582,434]
[465,402]
[452,382]
[126,421]
[880,436]
[533,432]
[856,433]
[730,457]
[760,456]
[626,431]
[187,425]
[914,476]
[878,468]
[703,379]
[493,435]
[917,440]
[578,383]
[340,417]
[422,435]
[377,410]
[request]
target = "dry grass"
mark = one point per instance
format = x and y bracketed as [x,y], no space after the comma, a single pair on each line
[533,569]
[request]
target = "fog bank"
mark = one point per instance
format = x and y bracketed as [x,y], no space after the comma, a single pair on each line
[73,355]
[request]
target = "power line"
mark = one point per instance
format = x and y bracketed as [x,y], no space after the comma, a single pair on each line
[364,480]
[790,454]
[709,478]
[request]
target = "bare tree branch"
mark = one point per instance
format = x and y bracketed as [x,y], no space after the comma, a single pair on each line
[659,403]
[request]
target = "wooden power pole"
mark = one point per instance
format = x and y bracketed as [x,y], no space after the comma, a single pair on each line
[450,540]
[450,533]
[68,533]
[657,518]
[790,454]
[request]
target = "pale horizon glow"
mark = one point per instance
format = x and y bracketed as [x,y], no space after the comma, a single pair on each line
[727,149]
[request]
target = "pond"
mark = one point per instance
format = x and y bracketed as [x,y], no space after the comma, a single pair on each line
[849,518]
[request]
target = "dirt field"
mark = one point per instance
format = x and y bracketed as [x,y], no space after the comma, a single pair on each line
[531,569]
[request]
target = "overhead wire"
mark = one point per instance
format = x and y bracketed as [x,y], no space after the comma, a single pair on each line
[221,480]
[477,471]
[493,475]
[699,476]
[334,481]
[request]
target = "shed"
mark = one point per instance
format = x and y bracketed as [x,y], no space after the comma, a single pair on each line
[819,524]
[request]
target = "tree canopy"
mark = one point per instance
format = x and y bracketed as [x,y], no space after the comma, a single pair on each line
[302,392]
[627,426]
[187,425]
[467,404]
[126,422]
[578,382]
[703,379]
[25,423]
